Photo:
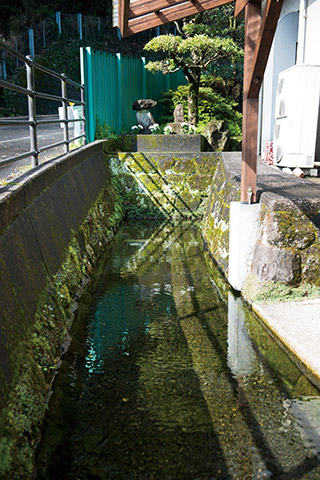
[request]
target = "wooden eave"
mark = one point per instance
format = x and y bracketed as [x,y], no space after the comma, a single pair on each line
[138,16]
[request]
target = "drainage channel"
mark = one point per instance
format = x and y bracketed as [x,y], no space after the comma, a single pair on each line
[170,377]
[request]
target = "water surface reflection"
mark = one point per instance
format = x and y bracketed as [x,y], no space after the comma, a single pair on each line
[169,377]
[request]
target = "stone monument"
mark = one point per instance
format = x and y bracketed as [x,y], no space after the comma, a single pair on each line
[144,117]
[178,119]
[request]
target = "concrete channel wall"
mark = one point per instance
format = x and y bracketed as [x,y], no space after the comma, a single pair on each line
[54,223]
[287,248]
[38,218]
[57,220]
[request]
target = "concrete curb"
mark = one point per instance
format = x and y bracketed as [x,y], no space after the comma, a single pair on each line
[296,326]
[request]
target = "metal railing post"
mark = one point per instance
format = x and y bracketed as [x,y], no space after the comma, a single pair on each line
[58,21]
[32,113]
[32,94]
[31,42]
[65,113]
[79,17]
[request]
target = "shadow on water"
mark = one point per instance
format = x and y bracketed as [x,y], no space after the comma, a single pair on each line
[169,377]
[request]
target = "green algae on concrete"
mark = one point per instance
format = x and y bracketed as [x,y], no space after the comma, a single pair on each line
[135,195]
[172,143]
[216,222]
[177,182]
[35,360]
[161,399]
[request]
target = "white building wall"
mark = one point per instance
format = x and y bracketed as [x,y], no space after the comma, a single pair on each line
[312,39]
[282,56]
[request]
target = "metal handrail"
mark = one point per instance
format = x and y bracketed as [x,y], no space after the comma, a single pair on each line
[31,94]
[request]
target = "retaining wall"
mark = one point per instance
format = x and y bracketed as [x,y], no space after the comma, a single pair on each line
[54,224]
[287,248]
[175,171]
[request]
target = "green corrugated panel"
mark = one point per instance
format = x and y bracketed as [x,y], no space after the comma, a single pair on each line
[87,74]
[113,83]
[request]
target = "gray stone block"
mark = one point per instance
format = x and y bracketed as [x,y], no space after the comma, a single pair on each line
[276,264]
[171,143]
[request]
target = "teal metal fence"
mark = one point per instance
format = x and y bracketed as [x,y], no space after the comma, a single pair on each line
[113,83]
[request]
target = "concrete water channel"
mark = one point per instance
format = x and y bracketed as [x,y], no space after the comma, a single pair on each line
[170,376]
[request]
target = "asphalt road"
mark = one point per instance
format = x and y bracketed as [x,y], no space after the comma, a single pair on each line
[15,140]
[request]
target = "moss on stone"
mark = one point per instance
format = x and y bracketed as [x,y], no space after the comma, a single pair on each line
[288,229]
[305,388]
[255,290]
[293,231]
[216,221]
[36,359]
[127,143]
[310,262]
[178,184]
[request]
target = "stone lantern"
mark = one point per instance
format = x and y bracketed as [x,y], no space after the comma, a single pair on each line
[144,117]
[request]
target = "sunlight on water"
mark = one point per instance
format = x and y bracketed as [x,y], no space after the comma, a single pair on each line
[170,377]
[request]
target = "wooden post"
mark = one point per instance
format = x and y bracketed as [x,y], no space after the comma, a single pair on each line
[123,16]
[250,107]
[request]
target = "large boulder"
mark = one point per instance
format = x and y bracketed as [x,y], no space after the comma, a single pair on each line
[275,264]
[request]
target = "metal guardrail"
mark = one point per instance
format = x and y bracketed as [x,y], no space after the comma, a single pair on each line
[32,94]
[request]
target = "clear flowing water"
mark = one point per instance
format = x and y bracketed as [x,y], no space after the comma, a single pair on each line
[170,377]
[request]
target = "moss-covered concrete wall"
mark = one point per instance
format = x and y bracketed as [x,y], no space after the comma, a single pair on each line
[287,250]
[54,224]
[58,219]
[224,189]
[178,184]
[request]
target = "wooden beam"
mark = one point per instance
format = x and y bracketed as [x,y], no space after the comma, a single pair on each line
[123,16]
[137,9]
[239,7]
[171,14]
[268,27]
[250,107]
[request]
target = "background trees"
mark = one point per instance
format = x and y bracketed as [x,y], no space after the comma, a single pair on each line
[193,51]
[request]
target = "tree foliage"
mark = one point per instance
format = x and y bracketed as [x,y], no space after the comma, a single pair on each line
[193,52]
[18,15]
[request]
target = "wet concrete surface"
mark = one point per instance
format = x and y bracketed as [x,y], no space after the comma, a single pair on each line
[170,377]
[297,326]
